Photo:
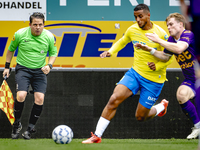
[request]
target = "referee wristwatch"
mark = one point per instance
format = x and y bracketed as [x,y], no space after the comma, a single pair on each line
[50,66]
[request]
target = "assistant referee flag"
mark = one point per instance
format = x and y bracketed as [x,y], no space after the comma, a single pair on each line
[7,101]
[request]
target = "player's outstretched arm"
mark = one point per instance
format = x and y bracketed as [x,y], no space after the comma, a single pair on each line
[159,54]
[105,54]
[177,48]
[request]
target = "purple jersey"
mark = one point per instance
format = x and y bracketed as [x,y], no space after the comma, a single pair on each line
[186,58]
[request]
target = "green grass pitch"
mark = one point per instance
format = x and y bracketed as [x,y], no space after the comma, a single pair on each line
[107,144]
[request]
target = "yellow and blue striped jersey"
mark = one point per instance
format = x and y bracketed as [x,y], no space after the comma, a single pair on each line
[135,34]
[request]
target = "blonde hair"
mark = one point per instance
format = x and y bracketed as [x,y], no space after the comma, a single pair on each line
[178,17]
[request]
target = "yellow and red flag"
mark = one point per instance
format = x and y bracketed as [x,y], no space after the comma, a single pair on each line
[7,101]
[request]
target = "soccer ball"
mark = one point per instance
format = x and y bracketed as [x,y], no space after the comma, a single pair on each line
[62,134]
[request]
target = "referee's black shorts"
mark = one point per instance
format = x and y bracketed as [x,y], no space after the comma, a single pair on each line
[24,77]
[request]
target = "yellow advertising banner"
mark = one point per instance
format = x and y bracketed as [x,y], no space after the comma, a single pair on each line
[80,43]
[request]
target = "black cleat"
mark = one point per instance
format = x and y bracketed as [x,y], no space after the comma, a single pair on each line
[27,134]
[16,129]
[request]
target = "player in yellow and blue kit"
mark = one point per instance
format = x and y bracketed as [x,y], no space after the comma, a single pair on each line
[147,74]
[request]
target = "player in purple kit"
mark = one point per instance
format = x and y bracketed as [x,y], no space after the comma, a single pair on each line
[181,44]
[194,12]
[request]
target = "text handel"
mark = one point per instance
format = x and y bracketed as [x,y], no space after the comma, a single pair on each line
[20,5]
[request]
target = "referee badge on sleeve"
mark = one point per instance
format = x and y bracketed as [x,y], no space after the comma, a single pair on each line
[13,38]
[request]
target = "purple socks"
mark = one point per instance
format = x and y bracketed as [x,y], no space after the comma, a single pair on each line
[190,111]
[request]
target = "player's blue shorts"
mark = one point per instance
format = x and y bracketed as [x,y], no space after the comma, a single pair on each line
[190,84]
[149,91]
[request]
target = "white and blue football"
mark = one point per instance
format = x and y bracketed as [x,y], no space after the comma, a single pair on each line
[62,134]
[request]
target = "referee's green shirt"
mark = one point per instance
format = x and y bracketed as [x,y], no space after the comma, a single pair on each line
[32,50]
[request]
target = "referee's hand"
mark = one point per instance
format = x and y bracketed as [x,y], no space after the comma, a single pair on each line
[46,69]
[6,72]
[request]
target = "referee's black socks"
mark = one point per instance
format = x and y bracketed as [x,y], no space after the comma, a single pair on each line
[35,115]
[18,108]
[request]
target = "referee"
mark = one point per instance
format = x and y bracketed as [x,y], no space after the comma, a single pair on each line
[33,42]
